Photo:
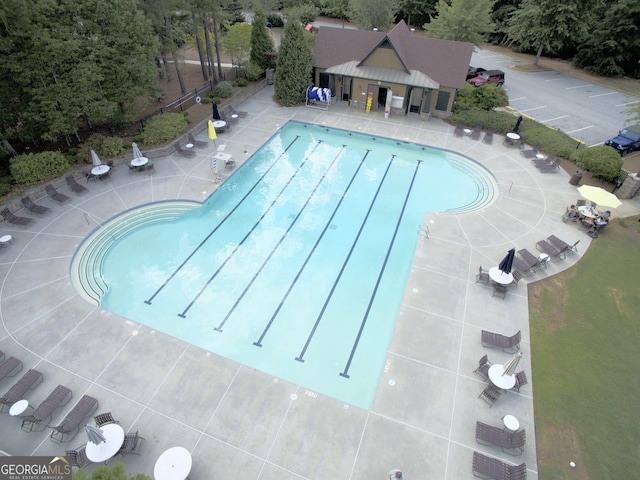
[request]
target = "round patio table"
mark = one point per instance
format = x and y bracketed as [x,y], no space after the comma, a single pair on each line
[173,464]
[499,277]
[496,376]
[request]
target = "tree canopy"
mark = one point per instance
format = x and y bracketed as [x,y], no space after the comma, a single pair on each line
[370,14]
[462,21]
[261,41]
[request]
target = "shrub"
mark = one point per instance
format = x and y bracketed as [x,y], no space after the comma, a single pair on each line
[31,168]
[163,128]
[603,162]
[486,97]
[253,71]
[241,82]
[223,90]
[105,147]
[5,185]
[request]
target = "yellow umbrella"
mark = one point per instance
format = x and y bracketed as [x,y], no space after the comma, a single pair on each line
[599,196]
[211,130]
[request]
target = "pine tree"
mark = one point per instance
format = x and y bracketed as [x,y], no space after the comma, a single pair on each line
[261,41]
[293,72]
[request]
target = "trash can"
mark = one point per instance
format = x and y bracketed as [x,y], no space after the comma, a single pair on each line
[575,178]
[269,76]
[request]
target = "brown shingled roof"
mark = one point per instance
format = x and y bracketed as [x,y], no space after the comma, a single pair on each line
[444,61]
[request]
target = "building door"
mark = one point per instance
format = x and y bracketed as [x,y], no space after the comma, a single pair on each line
[443,101]
[346,89]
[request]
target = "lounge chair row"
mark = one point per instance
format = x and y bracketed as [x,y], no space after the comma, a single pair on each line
[68,428]
[510,442]
[28,381]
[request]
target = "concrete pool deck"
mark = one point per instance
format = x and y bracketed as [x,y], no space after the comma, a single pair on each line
[238,422]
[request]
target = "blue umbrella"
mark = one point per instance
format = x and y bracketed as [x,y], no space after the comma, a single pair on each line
[515,129]
[216,114]
[506,264]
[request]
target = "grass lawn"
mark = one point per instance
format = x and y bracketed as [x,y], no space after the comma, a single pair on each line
[585,333]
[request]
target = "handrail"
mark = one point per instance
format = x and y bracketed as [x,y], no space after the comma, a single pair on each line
[88,216]
[510,181]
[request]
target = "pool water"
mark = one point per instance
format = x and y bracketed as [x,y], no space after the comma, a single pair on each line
[297,264]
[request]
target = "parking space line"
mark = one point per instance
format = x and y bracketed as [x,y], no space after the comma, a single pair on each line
[554,79]
[580,129]
[579,86]
[534,108]
[516,99]
[602,94]
[553,119]
[629,103]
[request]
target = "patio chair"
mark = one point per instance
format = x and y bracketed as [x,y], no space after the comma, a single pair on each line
[490,467]
[483,367]
[28,381]
[90,176]
[520,266]
[517,276]
[554,253]
[521,380]
[55,195]
[459,130]
[490,394]
[510,442]
[499,290]
[75,186]
[550,168]
[488,137]
[483,276]
[15,220]
[541,162]
[104,419]
[184,153]
[34,207]
[508,344]
[78,458]
[68,428]
[10,367]
[131,445]
[57,398]
[475,135]
[197,143]
[530,260]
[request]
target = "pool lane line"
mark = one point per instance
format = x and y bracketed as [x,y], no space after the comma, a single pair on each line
[244,239]
[300,358]
[258,343]
[345,372]
[206,239]
[278,243]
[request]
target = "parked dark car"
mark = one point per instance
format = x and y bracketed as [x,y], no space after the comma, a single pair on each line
[473,72]
[488,77]
[627,140]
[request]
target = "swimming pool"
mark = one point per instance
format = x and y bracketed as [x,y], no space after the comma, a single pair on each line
[296,265]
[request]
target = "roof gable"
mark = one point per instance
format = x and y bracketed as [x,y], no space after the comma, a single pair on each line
[386,44]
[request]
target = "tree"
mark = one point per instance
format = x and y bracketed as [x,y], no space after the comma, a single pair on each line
[73,62]
[416,12]
[335,8]
[550,24]
[237,42]
[369,14]
[261,41]
[613,48]
[116,472]
[293,72]
[463,21]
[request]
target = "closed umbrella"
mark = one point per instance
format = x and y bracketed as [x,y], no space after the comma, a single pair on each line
[216,114]
[506,264]
[212,131]
[517,127]
[136,151]
[95,159]
[512,364]
[599,196]
[94,435]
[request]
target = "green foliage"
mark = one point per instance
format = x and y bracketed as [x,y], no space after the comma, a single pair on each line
[163,128]
[261,41]
[115,472]
[369,14]
[336,8]
[223,90]
[293,75]
[31,168]
[253,71]
[237,42]
[303,14]
[415,12]
[603,162]
[105,147]
[275,19]
[462,21]
[59,71]
[613,48]
[241,82]
[5,185]
[486,97]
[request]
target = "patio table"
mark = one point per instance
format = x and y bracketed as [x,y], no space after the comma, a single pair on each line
[173,464]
